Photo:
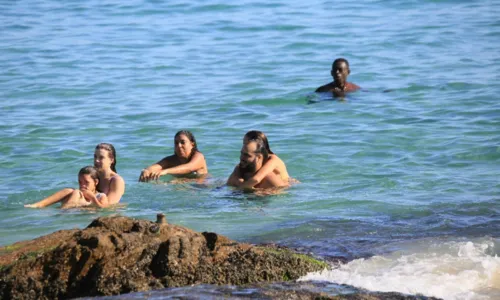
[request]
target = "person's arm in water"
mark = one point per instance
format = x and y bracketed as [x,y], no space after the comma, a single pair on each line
[267,168]
[271,180]
[90,196]
[235,178]
[60,196]
[146,174]
[197,162]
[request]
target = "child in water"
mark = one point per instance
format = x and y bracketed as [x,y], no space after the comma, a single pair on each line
[273,164]
[88,179]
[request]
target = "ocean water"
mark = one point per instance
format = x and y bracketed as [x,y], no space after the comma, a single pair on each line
[400,178]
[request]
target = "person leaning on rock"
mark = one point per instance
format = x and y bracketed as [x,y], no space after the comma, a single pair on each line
[339,86]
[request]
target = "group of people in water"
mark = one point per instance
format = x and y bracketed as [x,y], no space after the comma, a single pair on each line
[259,168]
[99,185]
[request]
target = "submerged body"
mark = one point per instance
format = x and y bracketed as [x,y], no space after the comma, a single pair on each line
[272,164]
[99,185]
[339,86]
[186,161]
[252,159]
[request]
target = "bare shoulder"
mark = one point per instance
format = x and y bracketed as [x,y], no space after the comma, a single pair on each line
[117,180]
[199,164]
[280,167]
[324,88]
[275,158]
[198,155]
[352,86]
[277,161]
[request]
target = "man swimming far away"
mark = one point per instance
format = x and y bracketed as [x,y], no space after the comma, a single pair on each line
[253,156]
[339,86]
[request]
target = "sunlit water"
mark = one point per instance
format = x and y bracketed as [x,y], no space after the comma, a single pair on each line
[401,178]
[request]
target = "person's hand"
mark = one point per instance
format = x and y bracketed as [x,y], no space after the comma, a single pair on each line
[155,175]
[145,175]
[87,195]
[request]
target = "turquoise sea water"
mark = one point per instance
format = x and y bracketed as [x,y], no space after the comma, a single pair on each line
[401,178]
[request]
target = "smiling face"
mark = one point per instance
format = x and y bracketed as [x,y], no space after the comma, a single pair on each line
[340,71]
[102,159]
[86,182]
[183,146]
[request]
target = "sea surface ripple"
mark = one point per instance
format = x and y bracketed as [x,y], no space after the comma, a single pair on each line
[412,159]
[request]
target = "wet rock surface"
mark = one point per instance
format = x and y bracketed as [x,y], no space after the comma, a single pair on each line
[282,290]
[117,255]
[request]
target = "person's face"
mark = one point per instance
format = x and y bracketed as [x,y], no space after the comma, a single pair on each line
[86,182]
[248,158]
[102,159]
[183,146]
[340,72]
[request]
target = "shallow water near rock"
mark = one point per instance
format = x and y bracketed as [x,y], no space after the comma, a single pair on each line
[399,178]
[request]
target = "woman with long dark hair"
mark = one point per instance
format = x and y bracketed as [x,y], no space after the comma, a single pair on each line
[110,183]
[186,160]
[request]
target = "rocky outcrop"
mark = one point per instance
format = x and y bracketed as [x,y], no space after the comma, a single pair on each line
[116,255]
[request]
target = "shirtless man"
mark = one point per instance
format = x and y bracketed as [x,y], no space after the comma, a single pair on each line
[253,156]
[339,86]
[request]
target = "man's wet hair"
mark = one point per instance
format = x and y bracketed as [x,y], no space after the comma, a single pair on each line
[256,134]
[260,147]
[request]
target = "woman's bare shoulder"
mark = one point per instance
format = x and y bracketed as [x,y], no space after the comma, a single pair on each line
[117,179]
[198,154]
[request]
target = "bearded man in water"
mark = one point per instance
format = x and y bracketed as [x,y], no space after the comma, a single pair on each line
[253,156]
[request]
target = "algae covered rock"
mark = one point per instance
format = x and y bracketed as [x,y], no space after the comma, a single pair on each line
[116,255]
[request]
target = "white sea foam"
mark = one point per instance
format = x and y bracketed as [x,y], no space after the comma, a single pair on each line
[445,269]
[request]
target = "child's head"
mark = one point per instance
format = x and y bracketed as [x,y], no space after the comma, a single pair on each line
[88,178]
[255,135]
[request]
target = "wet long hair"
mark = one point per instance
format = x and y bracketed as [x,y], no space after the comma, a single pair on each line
[112,153]
[259,135]
[261,147]
[92,171]
[191,138]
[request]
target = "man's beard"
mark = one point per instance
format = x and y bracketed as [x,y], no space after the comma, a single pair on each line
[251,168]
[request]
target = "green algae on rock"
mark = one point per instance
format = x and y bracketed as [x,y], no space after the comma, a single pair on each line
[116,255]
